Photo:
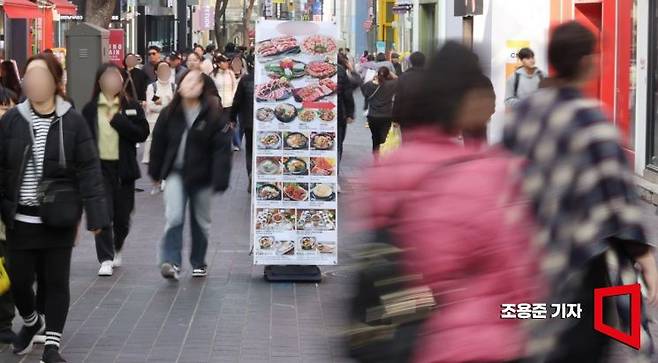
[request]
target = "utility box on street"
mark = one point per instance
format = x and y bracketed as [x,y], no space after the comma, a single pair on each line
[87,47]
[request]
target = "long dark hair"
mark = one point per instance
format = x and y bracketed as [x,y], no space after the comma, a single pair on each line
[55,69]
[9,78]
[208,95]
[7,97]
[383,75]
[97,83]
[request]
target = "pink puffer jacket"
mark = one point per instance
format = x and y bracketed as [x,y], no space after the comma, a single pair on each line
[462,234]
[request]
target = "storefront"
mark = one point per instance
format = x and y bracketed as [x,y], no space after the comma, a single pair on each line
[615,22]
[27,28]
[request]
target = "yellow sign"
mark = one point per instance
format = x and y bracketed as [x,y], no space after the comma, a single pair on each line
[512,62]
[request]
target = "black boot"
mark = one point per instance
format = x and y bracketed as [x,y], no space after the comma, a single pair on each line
[51,355]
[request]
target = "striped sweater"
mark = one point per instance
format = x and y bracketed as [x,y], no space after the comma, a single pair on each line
[34,167]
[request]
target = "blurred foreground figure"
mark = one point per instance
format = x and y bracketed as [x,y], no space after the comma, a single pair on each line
[453,212]
[583,197]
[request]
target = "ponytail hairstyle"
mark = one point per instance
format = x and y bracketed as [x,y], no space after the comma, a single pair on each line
[383,75]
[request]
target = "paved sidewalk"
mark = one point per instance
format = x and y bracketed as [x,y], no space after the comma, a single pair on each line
[231,316]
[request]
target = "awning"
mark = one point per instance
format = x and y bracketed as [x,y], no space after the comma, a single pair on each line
[65,7]
[21,9]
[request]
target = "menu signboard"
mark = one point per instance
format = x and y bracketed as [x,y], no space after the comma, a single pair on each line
[295,141]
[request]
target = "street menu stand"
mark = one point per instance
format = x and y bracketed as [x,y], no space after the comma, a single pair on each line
[294,199]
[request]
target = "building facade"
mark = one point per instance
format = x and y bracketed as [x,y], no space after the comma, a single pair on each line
[627,83]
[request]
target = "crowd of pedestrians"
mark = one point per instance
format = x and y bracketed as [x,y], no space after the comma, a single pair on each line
[57,163]
[541,212]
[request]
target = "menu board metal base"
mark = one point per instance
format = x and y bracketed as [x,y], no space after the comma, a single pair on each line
[292,273]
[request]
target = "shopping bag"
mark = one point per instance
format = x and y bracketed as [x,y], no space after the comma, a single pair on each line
[393,140]
[4,278]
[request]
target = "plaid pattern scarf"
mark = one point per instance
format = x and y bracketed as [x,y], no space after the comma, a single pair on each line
[582,193]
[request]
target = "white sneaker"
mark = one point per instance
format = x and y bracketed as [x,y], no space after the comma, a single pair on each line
[106,269]
[117,260]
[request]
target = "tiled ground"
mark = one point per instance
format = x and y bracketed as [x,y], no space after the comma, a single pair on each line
[232,316]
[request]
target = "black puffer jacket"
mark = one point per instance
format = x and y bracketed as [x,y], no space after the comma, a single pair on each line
[132,127]
[208,152]
[81,156]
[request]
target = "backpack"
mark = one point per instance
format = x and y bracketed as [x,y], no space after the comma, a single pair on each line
[517,77]
[155,88]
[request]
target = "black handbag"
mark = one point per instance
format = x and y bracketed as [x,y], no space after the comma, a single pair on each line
[388,309]
[60,203]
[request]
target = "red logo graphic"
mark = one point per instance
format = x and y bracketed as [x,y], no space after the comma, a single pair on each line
[632,339]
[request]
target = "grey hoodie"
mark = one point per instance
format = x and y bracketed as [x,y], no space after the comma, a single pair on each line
[62,106]
[528,84]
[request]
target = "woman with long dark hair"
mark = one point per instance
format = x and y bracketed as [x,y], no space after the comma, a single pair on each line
[117,124]
[50,171]
[9,78]
[379,94]
[191,149]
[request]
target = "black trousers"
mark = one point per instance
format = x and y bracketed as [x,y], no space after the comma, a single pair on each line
[120,195]
[56,265]
[249,147]
[581,343]
[379,127]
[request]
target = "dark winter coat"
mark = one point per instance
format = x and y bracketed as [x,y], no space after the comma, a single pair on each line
[132,129]
[208,154]
[82,164]
[243,102]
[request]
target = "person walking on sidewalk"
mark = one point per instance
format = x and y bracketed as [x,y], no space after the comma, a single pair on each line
[379,94]
[158,96]
[243,109]
[408,104]
[117,124]
[448,210]
[227,85]
[525,80]
[50,171]
[191,149]
[136,79]
[584,200]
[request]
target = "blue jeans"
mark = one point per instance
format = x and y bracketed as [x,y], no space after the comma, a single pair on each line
[176,198]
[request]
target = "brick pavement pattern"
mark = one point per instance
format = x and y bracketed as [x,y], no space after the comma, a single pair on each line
[233,315]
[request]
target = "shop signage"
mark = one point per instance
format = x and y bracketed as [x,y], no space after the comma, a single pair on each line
[294,199]
[71,17]
[116,49]
[205,17]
